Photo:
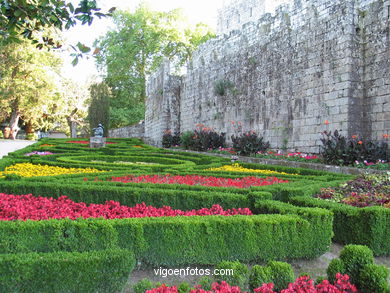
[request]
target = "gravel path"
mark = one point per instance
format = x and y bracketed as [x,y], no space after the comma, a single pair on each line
[8,146]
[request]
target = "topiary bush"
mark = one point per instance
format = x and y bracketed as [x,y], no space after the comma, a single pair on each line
[239,276]
[282,274]
[259,275]
[358,262]
[373,278]
[143,285]
[279,273]
[249,143]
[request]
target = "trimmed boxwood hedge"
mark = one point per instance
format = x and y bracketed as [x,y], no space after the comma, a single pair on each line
[95,271]
[174,240]
[366,226]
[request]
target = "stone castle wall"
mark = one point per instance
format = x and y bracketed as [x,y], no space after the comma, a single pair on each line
[285,75]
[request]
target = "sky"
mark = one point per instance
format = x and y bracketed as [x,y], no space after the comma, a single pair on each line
[196,11]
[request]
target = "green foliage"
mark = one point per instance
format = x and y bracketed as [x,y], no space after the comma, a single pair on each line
[282,274]
[95,271]
[135,49]
[373,278]
[221,87]
[27,86]
[249,143]
[335,266]
[205,282]
[240,273]
[98,111]
[184,287]
[354,258]
[143,285]
[169,240]
[366,226]
[339,150]
[259,275]
[358,262]
[279,273]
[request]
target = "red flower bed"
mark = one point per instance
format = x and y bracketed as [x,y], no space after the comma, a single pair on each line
[86,142]
[28,207]
[301,285]
[200,180]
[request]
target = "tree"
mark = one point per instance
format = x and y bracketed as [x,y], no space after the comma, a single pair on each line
[135,49]
[98,111]
[34,20]
[27,87]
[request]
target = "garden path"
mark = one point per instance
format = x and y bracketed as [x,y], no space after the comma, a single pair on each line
[8,146]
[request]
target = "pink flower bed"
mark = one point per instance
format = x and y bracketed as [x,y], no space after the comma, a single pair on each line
[244,182]
[86,142]
[28,207]
[301,285]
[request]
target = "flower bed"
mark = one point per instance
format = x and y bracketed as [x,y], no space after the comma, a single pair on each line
[32,170]
[301,284]
[28,207]
[38,153]
[245,182]
[238,168]
[86,142]
[363,191]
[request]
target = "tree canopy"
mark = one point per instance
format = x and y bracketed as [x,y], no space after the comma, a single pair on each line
[136,48]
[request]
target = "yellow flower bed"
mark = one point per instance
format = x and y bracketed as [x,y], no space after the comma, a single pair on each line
[31,170]
[238,168]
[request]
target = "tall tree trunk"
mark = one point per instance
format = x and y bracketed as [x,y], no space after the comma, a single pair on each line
[13,124]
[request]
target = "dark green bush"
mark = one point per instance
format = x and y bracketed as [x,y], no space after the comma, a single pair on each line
[373,278]
[95,271]
[339,150]
[366,226]
[335,266]
[279,273]
[282,274]
[170,240]
[240,273]
[258,276]
[143,285]
[205,282]
[249,143]
[354,258]
[184,287]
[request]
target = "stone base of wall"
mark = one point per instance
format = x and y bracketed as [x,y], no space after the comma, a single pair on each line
[136,131]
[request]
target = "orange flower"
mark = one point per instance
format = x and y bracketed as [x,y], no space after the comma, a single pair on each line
[385,136]
[326,122]
[360,142]
[354,136]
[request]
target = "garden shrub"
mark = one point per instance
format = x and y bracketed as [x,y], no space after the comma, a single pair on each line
[184,287]
[169,140]
[249,143]
[205,283]
[94,271]
[339,150]
[170,240]
[335,266]
[373,278]
[358,262]
[202,139]
[282,274]
[366,226]
[279,273]
[240,273]
[143,285]
[259,275]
